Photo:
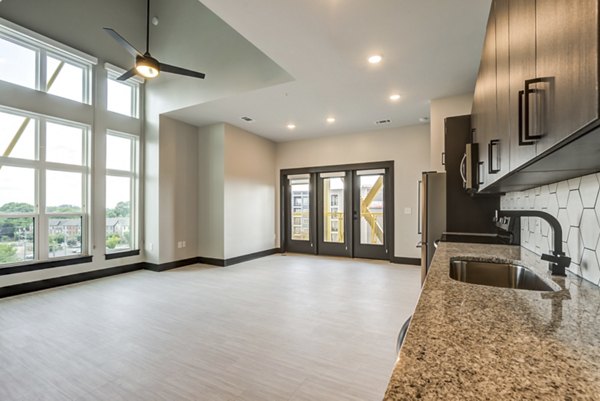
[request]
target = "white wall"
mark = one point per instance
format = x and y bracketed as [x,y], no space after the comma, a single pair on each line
[249,193]
[211,191]
[440,109]
[178,197]
[408,147]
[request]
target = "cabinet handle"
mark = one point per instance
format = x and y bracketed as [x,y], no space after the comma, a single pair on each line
[494,144]
[529,91]
[479,173]
[521,141]
[443,158]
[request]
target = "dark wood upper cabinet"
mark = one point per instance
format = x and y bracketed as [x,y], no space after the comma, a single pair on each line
[567,67]
[537,90]
[521,19]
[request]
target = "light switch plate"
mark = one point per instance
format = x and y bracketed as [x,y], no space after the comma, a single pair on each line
[407,210]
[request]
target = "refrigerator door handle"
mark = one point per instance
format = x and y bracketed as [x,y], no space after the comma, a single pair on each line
[463,169]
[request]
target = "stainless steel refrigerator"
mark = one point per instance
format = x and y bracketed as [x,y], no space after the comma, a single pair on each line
[433,216]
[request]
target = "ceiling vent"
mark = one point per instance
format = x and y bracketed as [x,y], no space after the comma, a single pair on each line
[247,119]
[383,122]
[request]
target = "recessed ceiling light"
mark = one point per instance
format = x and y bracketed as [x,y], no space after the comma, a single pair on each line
[375,59]
[291,126]
[330,120]
[395,97]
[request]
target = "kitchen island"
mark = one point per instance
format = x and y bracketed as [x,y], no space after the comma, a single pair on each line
[474,342]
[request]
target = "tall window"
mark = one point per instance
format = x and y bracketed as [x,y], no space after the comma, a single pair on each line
[123,97]
[43,186]
[30,62]
[121,191]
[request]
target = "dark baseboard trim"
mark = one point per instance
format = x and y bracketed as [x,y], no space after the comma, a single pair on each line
[406,261]
[45,265]
[251,256]
[170,265]
[18,289]
[237,259]
[118,255]
[210,261]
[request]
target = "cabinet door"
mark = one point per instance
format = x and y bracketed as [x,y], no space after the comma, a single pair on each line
[486,99]
[521,15]
[498,145]
[567,64]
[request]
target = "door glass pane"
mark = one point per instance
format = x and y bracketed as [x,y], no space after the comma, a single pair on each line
[64,79]
[16,239]
[371,209]
[64,236]
[64,144]
[333,209]
[300,207]
[63,192]
[118,214]
[17,64]
[17,136]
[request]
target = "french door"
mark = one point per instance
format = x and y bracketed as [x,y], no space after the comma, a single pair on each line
[343,211]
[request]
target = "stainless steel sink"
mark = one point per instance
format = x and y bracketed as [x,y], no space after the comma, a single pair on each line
[497,275]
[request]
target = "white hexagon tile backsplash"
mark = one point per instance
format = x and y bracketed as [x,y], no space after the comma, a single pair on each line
[576,205]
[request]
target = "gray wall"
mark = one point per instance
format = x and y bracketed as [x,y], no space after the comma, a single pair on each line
[211,191]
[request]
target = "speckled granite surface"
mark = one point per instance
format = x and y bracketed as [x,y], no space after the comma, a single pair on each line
[470,342]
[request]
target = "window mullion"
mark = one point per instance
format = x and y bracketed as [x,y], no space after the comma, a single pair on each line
[42,70]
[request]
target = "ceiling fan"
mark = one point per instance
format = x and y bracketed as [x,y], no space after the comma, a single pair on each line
[146,65]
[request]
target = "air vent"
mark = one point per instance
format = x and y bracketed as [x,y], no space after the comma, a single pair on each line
[383,122]
[247,119]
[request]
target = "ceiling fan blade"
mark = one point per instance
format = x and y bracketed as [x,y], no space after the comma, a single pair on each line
[123,42]
[181,71]
[127,75]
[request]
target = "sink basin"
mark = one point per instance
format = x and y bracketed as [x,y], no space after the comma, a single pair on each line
[497,275]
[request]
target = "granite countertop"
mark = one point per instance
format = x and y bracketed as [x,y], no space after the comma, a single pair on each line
[472,342]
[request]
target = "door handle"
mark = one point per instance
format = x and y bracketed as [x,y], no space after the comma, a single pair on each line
[420,244]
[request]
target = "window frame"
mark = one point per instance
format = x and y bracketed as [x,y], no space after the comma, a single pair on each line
[43,47]
[134,175]
[40,166]
[112,73]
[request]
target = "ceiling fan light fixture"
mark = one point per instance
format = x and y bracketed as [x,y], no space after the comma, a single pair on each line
[147,67]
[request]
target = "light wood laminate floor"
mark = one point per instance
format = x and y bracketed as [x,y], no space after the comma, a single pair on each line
[285,327]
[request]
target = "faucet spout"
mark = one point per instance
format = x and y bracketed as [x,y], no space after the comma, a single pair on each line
[510,220]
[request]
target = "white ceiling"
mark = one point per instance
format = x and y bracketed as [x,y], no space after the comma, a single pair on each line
[431,49]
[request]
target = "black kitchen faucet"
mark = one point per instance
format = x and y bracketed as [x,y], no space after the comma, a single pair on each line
[510,221]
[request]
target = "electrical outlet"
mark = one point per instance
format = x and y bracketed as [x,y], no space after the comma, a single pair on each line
[179,244]
[183,243]
[150,246]
[407,210]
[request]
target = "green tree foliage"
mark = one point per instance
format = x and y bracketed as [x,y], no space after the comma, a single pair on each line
[122,209]
[64,209]
[58,238]
[112,241]
[11,227]
[8,253]
[17,207]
